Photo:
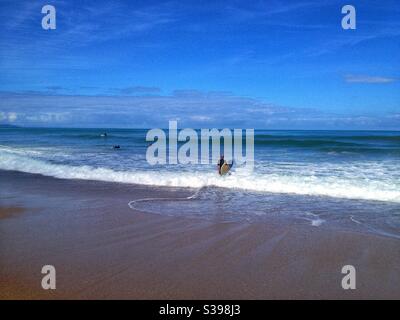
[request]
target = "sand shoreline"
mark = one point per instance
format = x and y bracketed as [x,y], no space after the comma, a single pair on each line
[102,249]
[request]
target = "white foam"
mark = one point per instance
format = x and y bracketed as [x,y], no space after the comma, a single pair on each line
[317,222]
[354,220]
[331,186]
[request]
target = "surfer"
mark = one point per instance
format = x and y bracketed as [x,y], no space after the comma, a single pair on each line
[223,166]
[220,163]
[104,135]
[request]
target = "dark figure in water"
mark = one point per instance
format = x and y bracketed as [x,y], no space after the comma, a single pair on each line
[104,135]
[220,163]
[116,147]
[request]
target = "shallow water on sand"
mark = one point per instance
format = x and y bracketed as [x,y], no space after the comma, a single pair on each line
[325,212]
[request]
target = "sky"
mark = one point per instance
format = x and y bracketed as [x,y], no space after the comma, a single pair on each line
[270,64]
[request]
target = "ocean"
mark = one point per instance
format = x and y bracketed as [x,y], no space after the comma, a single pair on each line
[335,179]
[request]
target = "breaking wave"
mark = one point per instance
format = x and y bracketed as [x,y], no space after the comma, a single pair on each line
[354,187]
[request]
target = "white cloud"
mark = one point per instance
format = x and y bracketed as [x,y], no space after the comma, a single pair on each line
[368,79]
[48,117]
[200,118]
[12,116]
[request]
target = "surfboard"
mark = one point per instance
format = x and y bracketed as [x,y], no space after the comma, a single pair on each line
[225,168]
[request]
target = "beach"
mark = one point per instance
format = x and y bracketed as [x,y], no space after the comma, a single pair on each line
[103,249]
[218,150]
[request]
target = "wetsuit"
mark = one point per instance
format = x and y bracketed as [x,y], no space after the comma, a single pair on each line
[220,164]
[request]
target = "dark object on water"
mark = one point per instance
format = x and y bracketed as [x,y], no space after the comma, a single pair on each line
[220,163]
[104,135]
[116,147]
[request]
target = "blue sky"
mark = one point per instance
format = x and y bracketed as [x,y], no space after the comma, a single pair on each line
[262,64]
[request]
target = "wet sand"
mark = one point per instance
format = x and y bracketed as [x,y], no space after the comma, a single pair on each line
[102,249]
[8,212]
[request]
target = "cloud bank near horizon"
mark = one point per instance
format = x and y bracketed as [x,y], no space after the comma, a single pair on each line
[191,108]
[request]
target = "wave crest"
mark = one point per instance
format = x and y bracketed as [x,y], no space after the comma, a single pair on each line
[332,186]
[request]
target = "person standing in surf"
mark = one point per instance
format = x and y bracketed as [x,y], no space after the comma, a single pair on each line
[220,164]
